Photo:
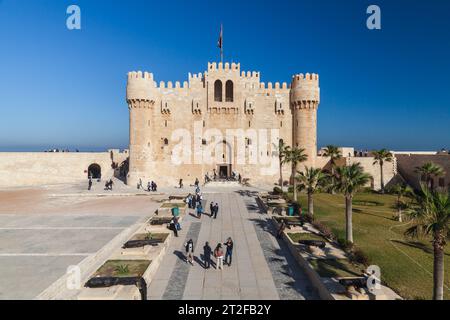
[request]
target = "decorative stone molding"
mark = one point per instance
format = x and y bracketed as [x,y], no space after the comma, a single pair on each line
[249,106]
[165,108]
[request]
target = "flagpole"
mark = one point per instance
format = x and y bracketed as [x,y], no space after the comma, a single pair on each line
[221,47]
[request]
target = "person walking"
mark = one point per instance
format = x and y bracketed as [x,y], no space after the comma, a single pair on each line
[216,210]
[89,184]
[177,223]
[281,229]
[189,247]
[181,183]
[199,210]
[173,226]
[229,251]
[211,209]
[149,187]
[218,253]
[190,201]
[207,255]
[196,182]
[110,184]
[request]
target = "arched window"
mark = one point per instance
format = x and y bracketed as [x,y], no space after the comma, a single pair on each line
[229,91]
[218,91]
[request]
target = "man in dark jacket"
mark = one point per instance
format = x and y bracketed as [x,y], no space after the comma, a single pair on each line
[229,251]
[207,255]
[211,209]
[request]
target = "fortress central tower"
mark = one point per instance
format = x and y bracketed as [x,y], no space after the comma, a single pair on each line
[223,99]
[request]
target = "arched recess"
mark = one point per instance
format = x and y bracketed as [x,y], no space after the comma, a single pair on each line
[218,91]
[229,91]
[94,171]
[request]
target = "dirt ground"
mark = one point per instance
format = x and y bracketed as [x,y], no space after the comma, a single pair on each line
[39,200]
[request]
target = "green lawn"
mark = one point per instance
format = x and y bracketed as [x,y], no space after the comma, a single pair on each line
[328,268]
[295,237]
[406,265]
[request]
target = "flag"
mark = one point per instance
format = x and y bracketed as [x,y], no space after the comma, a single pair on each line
[220,41]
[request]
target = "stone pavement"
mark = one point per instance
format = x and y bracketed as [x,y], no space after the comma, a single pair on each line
[37,249]
[262,267]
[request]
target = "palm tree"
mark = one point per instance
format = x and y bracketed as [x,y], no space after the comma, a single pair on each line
[401,190]
[335,154]
[283,150]
[311,180]
[295,156]
[429,170]
[382,156]
[350,179]
[432,217]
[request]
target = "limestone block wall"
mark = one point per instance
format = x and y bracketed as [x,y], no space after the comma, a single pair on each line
[389,170]
[43,168]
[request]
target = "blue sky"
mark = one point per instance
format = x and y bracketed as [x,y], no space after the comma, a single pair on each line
[385,88]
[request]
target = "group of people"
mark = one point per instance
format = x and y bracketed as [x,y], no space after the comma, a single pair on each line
[223,252]
[151,186]
[109,184]
[218,253]
[195,202]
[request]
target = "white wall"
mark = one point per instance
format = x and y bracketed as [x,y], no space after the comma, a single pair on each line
[40,168]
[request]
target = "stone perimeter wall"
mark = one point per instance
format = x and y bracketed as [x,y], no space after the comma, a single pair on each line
[19,169]
[44,168]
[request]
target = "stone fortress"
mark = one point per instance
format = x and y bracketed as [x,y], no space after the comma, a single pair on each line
[221,98]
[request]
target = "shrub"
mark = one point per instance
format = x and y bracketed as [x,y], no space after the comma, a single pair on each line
[306,218]
[324,230]
[344,244]
[277,190]
[148,236]
[122,269]
[360,257]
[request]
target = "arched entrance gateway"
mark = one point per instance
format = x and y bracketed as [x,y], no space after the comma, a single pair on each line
[224,159]
[94,171]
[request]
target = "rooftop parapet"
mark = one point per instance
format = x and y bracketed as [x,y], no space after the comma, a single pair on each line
[305,88]
[140,86]
[214,66]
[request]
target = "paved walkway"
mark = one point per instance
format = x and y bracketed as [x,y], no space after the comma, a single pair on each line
[262,267]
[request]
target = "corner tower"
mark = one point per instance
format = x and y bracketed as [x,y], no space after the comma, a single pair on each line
[304,101]
[141,98]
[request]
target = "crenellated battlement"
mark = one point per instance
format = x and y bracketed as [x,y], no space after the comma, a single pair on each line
[171,85]
[250,75]
[141,87]
[309,77]
[305,91]
[214,66]
[139,75]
